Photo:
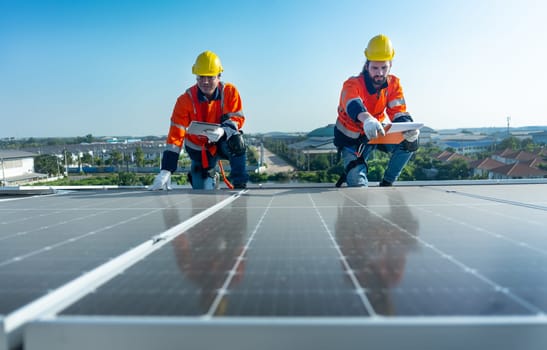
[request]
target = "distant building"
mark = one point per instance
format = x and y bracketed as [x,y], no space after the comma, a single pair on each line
[318,141]
[482,167]
[466,143]
[152,150]
[540,138]
[509,156]
[326,131]
[447,156]
[17,167]
[314,145]
[428,135]
[517,171]
[510,164]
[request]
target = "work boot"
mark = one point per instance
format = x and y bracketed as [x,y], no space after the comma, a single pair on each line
[385,183]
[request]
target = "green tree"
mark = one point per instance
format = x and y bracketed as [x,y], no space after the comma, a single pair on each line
[86,158]
[84,139]
[453,170]
[528,145]
[252,155]
[510,142]
[258,177]
[336,170]
[421,162]
[127,179]
[117,157]
[47,164]
[98,161]
[139,157]
[408,173]
[319,162]
[376,168]
[54,141]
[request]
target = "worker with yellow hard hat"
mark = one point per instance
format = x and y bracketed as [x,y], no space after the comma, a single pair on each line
[210,101]
[366,102]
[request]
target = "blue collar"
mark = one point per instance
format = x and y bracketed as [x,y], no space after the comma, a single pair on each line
[203,98]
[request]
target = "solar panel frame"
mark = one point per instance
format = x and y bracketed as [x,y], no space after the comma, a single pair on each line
[45,301]
[506,331]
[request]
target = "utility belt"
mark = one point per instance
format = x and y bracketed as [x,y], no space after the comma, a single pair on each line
[206,156]
[405,145]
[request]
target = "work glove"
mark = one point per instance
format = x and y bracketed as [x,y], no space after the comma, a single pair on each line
[213,135]
[411,135]
[230,128]
[236,144]
[371,125]
[229,132]
[162,181]
[234,138]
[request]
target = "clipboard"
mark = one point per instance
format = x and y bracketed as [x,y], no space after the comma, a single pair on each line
[213,132]
[394,133]
[202,128]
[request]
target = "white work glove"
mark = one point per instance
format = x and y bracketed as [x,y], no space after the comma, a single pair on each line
[411,135]
[214,134]
[162,181]
[371,125]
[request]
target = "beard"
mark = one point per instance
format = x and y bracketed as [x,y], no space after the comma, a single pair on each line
[379,80]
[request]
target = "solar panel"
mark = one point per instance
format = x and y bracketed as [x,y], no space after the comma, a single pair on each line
[48,241]
[312,268]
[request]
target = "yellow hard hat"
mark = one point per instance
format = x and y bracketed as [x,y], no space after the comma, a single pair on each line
[207,64]
[379,48]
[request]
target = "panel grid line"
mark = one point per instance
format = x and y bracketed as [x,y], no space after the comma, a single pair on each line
[498,288]
[493,199]
[224,289]
[55,301]
[487,232]
[351,274]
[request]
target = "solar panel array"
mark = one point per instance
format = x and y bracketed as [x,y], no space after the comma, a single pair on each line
[313,268]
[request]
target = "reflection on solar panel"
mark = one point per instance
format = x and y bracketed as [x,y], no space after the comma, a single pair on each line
[429,267]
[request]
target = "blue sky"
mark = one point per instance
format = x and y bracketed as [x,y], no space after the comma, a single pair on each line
[72,68]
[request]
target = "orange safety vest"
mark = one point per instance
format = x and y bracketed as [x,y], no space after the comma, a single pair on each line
[388,100]
[189,108]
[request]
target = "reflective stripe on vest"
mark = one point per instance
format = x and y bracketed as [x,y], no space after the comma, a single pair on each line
[396,102]
[178,126]
[191,145]
[173,148]
[344,130]
[194,141]
[189,92]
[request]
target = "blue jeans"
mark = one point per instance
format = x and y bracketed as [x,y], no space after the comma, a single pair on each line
[204,180]
[357,177]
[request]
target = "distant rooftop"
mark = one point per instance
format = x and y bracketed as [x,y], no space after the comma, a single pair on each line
[13,154]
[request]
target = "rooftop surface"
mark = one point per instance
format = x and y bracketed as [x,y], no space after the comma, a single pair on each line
[449,266]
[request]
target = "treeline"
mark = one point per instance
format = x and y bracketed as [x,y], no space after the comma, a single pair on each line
[31,142]
[316,168]
[422,166]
